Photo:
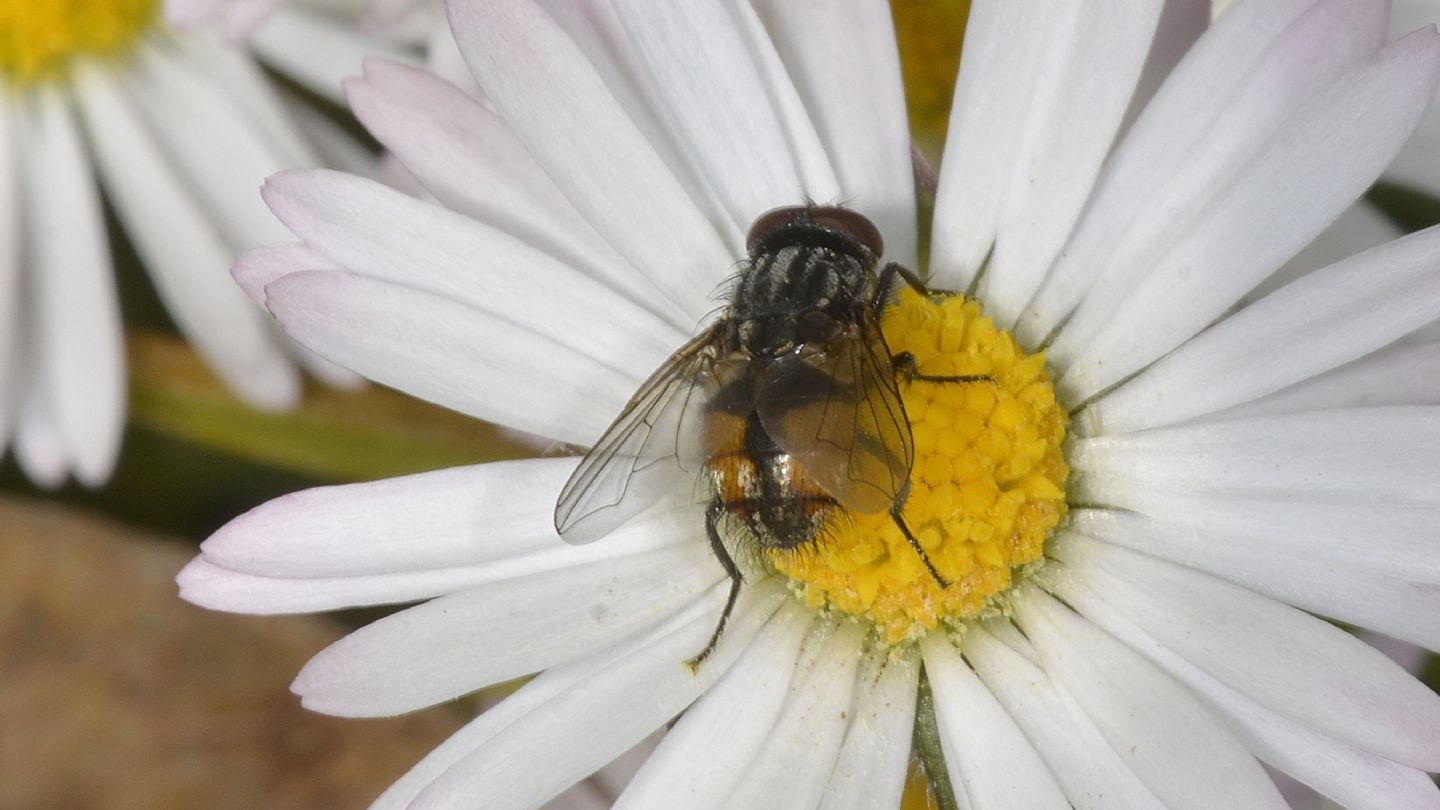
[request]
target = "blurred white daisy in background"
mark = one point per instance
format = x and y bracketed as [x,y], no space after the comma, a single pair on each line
[319,42]
[177,130]
[1133,571]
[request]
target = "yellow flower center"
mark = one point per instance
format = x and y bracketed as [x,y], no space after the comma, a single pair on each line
[39,38]
[987,486]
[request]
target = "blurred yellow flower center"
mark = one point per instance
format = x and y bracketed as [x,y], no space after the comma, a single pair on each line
[38,38]
[987,486]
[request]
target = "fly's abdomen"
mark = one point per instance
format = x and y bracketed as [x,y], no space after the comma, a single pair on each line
[762,488]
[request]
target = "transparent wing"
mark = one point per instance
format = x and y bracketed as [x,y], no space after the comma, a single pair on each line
[835,408]
[657,437]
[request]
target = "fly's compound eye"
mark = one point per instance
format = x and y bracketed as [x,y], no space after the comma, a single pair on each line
[851,224]
[771,221]
[832,218]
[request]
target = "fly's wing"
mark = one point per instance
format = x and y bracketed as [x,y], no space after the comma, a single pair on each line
[657,437]
[836,410]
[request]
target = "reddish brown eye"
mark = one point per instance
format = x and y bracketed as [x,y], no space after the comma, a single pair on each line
[851,224]
[829,217]
[769,221]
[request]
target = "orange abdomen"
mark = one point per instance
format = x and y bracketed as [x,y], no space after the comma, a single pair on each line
[760,486]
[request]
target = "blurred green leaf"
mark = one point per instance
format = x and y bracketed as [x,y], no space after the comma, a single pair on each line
[340,435]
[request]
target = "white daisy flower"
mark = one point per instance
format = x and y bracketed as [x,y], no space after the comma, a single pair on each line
[177,131]
[1136,527]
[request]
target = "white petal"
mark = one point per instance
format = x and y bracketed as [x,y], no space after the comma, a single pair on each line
[249,89]
[1076,110]
[583,728]
[318,53]
[1360,781]
[1042,92]
[1361,227]
[11,252]
[186,257]
[1415,166]
[595,29]
[472,639]
[1370,455]
[1089,771]
[690,769]
[470,160]
[450,354]
[427,247]
[334,144]
[1001,66]
[80,360]
[1182,22]
[590,147]
[536,693]
[461,516]
[1177,746]
[249,568]
[1327,318]
[1237,85]
[997,768]
[1399,375]
[1396,606]
[728,126]
[213,145]
[1285,660]
[259,266]
[1348,131]
[216,588]
[843,60]
[188,13]
[39,447]
[241,16]
[792,769]
[875,758]
[1363,538]
[220,588]
[812,164]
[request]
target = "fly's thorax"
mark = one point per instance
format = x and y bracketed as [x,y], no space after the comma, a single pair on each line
[985,490]
[798,294]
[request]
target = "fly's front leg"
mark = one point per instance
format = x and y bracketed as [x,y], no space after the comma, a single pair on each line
[904,362]
[892,275]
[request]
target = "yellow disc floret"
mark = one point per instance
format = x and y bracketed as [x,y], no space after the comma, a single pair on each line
[39,38]
[986,488]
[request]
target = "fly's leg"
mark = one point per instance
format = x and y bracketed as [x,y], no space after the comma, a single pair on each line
[896,515]
[712,518]
[904,363]
[894,273]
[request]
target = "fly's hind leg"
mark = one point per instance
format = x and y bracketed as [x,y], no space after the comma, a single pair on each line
[896,515]
[712,518]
